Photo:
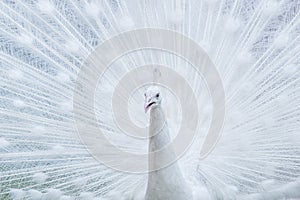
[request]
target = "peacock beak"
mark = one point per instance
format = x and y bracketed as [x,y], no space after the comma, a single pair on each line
[148,105]
[146,109]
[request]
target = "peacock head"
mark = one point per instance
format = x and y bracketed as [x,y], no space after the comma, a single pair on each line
[152,97]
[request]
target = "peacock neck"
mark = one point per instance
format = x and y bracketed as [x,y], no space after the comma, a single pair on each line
[167,183]
[158,130]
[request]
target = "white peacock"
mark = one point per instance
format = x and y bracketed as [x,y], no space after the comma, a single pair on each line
[254,45]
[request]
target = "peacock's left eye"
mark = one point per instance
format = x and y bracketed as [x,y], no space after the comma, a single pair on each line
[157,95]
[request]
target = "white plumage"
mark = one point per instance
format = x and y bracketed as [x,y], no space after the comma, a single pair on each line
[254,45]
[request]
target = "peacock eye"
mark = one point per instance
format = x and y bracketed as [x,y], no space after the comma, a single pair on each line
[157,95]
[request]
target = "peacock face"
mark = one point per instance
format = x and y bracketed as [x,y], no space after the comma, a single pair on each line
[152,98]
